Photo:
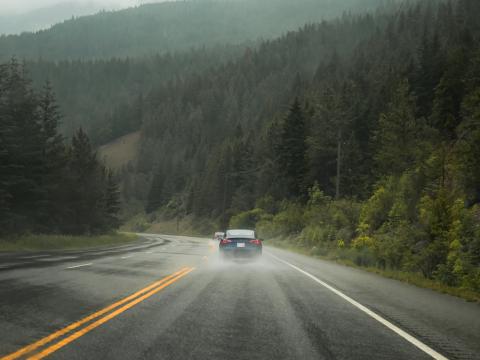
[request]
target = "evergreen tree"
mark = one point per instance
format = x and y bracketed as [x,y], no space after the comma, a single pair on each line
[54,155]
[155,195]
[5,165]
[331,131]
[5,197]
[448,95]
[428,74]
[468,147]
[24,161]
[112,202]
[292,151]
[398,133]
[84,208]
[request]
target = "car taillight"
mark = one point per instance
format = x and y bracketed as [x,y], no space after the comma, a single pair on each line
[225,241]
[256,242]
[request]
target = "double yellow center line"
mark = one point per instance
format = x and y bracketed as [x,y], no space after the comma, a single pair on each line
[110,312]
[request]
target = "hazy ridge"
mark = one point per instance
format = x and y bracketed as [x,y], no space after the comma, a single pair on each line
[171,26]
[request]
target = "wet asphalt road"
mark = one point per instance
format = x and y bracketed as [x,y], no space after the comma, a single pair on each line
[284,306]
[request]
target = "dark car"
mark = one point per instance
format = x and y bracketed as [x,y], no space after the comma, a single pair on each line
[240,244]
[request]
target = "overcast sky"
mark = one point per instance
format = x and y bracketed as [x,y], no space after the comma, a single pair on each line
[21,6]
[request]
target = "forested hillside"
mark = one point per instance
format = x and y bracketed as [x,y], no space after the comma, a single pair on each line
[95,93]
[106,97]
[359,136]
[172,26]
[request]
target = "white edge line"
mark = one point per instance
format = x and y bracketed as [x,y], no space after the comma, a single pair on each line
[425,348]
[78,266]
[127,257]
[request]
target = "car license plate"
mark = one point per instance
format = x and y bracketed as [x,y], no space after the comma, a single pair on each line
[240,245]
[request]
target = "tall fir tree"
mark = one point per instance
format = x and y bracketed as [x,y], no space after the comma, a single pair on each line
[25,164]
[155,195]
[85,198]
[112,201]
[397,135]
[292,150]
[5,166]
[54,154]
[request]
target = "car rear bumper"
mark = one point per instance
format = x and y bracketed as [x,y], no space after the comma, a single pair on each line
[240,252]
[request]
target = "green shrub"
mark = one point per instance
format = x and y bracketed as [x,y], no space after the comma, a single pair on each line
[247,219]
[314,236]
[268,204]
[375,211]
[290,220]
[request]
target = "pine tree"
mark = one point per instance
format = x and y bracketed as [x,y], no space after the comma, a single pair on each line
[112,201]
[50,120]
[331,131]
[244,179]
[448,95]
[22,171]
[5,196]
[54,155]
[428,73]
[85,207]
[467,149]
[397,133]
[292,151]
[5,165]
[155,195]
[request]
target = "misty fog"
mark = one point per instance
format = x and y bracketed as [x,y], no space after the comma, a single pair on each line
[23,6]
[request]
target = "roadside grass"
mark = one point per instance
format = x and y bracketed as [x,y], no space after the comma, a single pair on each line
[407,277]
[32,242]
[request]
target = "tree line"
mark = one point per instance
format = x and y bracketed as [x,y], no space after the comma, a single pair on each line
[48,185]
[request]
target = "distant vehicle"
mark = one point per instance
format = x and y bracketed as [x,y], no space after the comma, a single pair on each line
[240,243]
[218,235]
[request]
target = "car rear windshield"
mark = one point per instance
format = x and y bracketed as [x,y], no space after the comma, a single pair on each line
[241,234]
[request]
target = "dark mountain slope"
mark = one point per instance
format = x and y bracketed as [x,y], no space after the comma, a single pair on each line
[173,26]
